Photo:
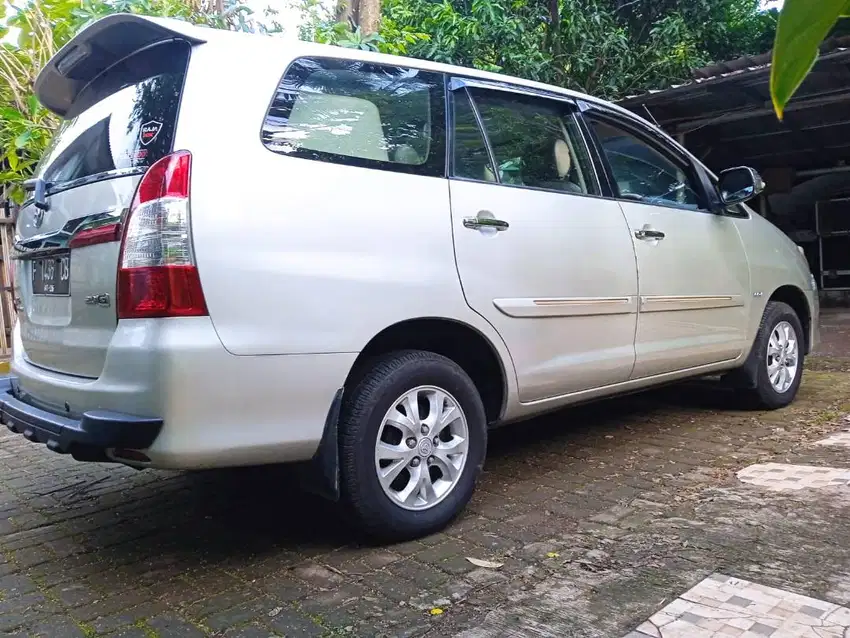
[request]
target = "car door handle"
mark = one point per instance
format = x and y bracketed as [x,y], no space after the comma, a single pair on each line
[477,223]
[480,222]
[649,234]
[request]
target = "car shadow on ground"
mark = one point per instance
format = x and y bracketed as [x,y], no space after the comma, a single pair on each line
[225,516]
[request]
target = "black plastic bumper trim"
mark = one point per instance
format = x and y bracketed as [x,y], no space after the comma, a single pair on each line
[99,429]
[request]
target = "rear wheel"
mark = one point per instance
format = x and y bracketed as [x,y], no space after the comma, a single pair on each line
[778,352]
[413,437]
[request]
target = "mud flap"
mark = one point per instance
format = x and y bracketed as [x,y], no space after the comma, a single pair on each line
[320,475]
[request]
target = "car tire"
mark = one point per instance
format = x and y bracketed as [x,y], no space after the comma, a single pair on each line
[780,326]
[423,497]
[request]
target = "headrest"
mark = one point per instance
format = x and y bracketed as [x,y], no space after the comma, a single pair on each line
[563,161]
[406,154]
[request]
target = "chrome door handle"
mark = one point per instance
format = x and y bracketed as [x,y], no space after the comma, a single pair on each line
[649,234]
[479,223]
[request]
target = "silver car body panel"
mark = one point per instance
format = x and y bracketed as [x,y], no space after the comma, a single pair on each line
[63,333]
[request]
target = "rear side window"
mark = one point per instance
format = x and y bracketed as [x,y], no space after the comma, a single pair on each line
[130,123]
[536,142]
[351,112]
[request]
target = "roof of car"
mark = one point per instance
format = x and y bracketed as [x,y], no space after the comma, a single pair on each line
[209,34]
[57,90]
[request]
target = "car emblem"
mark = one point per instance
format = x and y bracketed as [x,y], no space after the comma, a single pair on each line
[425,447]
[38,219]
[101,300]
[149,132]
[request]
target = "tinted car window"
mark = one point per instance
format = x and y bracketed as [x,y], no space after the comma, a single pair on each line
[130,123]
[535,142]
[351,112]
[643,173]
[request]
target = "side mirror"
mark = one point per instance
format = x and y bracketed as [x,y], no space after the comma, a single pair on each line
[739,184]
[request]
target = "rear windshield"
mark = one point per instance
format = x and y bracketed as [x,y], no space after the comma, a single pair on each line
[131,121]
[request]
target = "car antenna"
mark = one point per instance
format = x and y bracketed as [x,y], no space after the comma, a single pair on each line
[651,117]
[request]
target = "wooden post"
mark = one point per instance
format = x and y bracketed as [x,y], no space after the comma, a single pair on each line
[8,314]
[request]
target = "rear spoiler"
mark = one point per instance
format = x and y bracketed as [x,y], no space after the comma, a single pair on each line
[98,47]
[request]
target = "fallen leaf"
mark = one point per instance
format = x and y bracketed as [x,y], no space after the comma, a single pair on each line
[552,555]
[484,563]
[436,611]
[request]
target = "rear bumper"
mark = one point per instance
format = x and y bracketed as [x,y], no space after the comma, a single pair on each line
[217,409]
[97,430]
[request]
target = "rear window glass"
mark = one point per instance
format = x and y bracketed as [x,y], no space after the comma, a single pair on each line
[131,121]
[351,112]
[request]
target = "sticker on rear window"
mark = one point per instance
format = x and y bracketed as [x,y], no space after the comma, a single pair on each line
[149,132]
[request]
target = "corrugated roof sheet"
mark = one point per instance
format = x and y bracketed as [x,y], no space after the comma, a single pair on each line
[726,116]
[739,66]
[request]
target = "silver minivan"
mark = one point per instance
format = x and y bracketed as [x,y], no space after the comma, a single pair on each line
[243,250]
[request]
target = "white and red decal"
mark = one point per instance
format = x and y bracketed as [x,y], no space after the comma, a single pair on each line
[149,132]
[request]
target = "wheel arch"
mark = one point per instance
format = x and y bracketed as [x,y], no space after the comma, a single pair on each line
[458,341]
[796,298]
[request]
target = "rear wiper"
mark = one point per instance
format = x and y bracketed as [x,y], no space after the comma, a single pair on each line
[40,195]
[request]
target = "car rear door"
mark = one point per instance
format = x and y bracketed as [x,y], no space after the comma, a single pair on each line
[120,93]
[541,254]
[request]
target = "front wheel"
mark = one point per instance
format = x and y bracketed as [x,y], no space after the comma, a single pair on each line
[779,355]
[413,437]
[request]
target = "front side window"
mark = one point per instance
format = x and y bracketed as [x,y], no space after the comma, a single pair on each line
[535,142]
[643,173]
[351,112]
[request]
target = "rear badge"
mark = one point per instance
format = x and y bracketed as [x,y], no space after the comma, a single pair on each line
[149,132]
[101,300]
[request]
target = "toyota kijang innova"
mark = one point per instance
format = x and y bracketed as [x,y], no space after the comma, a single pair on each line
[363,262]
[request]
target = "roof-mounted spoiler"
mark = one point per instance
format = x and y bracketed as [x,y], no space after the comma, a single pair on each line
[98,47]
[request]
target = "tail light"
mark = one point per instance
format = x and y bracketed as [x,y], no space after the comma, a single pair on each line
[157,276]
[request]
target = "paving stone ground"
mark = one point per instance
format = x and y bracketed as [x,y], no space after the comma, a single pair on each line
[600,517]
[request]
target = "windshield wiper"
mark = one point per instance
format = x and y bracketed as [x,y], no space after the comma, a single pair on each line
[40,188]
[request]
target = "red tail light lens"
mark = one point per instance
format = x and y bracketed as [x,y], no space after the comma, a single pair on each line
[160,291]
[157,276]
[169,177]
[99,235]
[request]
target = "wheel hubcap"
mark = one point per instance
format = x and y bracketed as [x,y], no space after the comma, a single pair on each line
[426,424]
[782,356]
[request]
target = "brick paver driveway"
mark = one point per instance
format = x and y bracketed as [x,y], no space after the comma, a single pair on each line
[598,516]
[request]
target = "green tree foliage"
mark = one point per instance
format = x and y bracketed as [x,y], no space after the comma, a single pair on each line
[606,47]
[319,24]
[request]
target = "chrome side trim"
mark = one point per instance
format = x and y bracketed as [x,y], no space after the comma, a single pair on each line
[666,303]
[58,241]
[566,306]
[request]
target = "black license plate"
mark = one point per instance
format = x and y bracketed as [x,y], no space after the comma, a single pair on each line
[52,275]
